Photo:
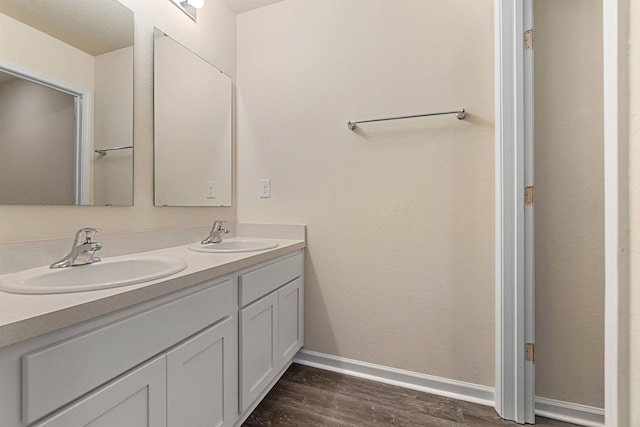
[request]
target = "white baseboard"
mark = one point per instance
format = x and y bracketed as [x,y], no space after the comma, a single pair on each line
[575,413]
[469,392]
[427,383]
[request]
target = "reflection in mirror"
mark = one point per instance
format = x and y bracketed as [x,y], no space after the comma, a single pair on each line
[66,92]
[192,128]
[37,128]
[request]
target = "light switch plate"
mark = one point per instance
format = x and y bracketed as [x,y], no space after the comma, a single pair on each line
[211,189]
[265,188]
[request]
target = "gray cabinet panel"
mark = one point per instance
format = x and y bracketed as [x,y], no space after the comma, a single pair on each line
[137,399]
[258,347]
[201,379]
[290,319]
[271,327]
[263,280]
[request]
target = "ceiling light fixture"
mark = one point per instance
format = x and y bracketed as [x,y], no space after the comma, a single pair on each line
[198,4]
[189,7]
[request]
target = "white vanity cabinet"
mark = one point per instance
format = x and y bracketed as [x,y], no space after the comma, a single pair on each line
[271,325]
[176,360]
[130,365]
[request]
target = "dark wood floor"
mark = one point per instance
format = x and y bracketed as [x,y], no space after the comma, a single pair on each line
[307,396]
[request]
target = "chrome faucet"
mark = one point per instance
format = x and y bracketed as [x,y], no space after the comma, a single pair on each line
[216,233]
[83,249]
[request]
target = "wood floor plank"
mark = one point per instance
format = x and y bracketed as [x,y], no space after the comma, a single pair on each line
[312,397]
[375,393]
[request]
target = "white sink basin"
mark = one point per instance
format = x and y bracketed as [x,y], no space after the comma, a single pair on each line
[108,273]
[235,244]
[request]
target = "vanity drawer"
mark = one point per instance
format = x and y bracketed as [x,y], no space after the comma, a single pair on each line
[263,280]
[58,374]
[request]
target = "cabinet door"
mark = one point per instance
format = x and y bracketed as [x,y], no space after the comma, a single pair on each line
[137,399]
[201,379]
[258,348]
[290,320]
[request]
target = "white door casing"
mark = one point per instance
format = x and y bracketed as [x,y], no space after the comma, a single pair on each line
[616,245]
[515,384]
[513,394]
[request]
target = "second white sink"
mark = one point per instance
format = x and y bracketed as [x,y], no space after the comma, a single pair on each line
[108,273]
[235,244]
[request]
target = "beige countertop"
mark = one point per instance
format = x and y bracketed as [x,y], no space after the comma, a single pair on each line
[27,316]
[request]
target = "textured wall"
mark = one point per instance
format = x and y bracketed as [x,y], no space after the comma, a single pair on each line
[213,37]
[399,215]
[569,228]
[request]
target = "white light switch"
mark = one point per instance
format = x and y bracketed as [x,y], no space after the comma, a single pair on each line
[265,188]
[211,189]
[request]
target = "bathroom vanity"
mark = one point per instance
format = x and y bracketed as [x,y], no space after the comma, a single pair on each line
[202,347]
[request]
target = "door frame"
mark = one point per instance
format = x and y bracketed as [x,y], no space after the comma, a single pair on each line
[616,210]
[514,293]
[510,398]
[83,110]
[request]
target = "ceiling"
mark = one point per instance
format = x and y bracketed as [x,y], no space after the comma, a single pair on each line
[241,6]
[95,26]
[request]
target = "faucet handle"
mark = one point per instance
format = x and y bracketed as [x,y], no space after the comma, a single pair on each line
[86,235]
[218,225]
[83,249]
[217,230]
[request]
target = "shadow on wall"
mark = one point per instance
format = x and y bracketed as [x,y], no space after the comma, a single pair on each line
[316,311]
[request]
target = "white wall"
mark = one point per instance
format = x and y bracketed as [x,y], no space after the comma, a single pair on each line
[634,201]
[212,37]
[399,214]
[569,228]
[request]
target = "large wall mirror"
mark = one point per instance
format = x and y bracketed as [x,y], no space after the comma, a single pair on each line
[192,128]
[66,102]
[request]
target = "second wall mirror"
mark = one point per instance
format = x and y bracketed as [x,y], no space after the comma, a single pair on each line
[192,128]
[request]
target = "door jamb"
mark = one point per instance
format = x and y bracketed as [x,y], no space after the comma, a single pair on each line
[514,396]
[616,141]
